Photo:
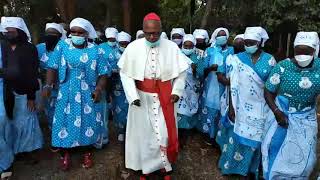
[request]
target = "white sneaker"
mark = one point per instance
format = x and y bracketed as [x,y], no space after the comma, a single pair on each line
[121,137]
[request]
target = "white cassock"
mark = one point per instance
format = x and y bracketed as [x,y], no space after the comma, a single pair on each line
[146,126]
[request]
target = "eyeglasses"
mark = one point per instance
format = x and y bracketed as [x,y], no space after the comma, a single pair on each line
[149,34]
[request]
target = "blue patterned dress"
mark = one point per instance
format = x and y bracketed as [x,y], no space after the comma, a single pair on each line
[190,121]
[119,105]
[210,101]
[6,132]
[299,89]
[77,121]
[237,158]
[49,103]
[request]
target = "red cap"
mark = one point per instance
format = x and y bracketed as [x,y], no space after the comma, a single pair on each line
[151,16]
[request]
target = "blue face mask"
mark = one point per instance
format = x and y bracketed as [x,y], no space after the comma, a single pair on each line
[153,44]
[121,49]
[221,40]
[251,49]
[187,52]
[112,44]
[78,40]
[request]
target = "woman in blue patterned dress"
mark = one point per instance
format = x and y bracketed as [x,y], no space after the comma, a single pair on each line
[54,32]
[119,101]
[248,72]
[189,101]
[110,52]
[215,57]
[225,128]
[289,147]
[78,118]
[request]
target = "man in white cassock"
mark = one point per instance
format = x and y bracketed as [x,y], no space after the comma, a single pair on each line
[153,72]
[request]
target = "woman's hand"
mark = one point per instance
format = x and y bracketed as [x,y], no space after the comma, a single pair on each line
[281,118]
[31,105]
[96,96]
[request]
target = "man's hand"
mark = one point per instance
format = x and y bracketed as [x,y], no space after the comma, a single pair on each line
[174,98]
[137,102]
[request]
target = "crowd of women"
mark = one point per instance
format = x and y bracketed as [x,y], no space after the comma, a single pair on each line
[259,113]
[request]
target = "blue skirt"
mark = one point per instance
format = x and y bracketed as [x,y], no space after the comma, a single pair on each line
[6,136]
[187,122]
[28,135]
[208,122]
[120,110]
[237,158]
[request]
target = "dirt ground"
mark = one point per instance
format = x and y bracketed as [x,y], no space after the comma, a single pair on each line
[197,161]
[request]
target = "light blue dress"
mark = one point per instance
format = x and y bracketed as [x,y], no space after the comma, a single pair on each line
[119,104]
[237,158]
[6,132]
[49,103]
[210,102]
[77,121]
[297,90]
[187,121]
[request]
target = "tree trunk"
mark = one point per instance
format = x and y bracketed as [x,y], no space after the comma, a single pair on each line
[66,9]
[204,20]
[126,15]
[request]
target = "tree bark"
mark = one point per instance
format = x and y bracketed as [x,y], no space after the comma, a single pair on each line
[204,20]
[66,9]
[126,15]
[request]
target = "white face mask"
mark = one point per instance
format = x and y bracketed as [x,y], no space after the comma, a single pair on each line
[303,60]
[177,41]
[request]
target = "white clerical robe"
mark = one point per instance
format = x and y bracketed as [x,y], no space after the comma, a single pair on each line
[146,126]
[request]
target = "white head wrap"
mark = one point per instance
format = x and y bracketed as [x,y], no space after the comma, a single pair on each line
[189,37]
[239,36]
[111,32]
[201,34]
[16,22]
[310,39]
[86,25]
[256,33]
[2,29]
[57,27]
[215,34]
[139,32]
[177,31]
[164,35]
[123,36]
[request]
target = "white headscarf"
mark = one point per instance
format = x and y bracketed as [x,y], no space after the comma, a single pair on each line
[86,25]
[179,31]
[239,36]
[2,29]
[310,39]
[201,34]
[139,32]
[256,33]
[189,37]
[57,27]
[215,34]
[123,36]
[111,32]
[164,35]
[16,22]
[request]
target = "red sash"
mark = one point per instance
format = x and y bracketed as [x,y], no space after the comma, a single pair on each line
[163,89]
